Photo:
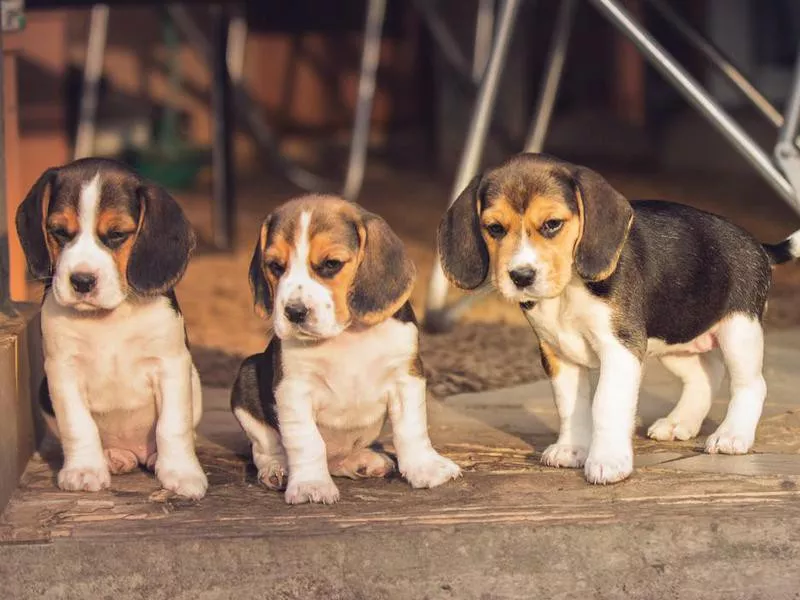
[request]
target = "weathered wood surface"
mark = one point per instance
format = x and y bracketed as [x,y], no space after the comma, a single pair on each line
[500,486]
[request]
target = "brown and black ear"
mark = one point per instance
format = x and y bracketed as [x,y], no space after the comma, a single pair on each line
[606,217]
[31,221]
[164,243]
[259,286]
[385,275]
[462,250]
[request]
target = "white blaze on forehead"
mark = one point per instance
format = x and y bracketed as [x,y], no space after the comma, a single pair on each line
[302,246]
[88,206]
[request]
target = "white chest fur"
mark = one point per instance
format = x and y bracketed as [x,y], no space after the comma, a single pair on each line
[116,358]
[572,324]
[350,377]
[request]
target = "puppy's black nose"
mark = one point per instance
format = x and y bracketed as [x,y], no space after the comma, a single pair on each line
[296,312]
[83,283]
[522,277]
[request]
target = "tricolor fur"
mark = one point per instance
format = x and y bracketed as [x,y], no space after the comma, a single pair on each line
[120,388]
[604,284]
[335,281]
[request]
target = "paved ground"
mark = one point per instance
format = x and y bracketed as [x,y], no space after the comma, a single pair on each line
[686,525]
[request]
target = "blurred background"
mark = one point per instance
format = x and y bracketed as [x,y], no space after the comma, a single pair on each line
[232,105]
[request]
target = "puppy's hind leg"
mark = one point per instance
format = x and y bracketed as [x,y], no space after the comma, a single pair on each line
[701,375]
[268,454]
[741,340]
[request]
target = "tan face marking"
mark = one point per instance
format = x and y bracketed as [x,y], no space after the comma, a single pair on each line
[549,253]
[63,221]
[325,251]
[110,224]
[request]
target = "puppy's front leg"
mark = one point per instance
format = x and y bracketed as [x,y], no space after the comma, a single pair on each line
[613,413]
[85,466]
[309,478]
[572,396]
[177,467]
[419,463]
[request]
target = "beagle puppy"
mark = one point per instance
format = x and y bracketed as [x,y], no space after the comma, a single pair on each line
[120,387]
[604,284]
[335,280]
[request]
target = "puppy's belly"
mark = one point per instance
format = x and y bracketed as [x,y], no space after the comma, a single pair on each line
[131,430]
[699,345]
[340,443]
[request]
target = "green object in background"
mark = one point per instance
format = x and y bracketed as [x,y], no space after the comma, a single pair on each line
[170,161]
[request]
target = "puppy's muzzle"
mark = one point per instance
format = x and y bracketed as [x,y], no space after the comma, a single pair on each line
[296,312]
[522,277]
[83,282]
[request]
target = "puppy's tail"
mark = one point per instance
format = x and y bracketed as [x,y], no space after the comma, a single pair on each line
[784,251]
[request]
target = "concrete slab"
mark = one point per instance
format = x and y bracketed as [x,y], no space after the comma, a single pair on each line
[685,525]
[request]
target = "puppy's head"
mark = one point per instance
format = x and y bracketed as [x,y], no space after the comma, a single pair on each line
[531,225]
[102,234]
[322,263]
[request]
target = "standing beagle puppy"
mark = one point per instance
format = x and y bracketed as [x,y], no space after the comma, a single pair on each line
[604,284]
[335,280]
[120,387]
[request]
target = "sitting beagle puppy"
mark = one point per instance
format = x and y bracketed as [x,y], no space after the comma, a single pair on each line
[604,284]
[335,280]
[120,387]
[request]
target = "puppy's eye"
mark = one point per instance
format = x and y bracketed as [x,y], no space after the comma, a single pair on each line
[114,238]
[61,235]
[276,268]
[496,230]
[329,267]
[551,227]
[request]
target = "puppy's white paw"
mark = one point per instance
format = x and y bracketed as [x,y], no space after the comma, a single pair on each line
[185,480]
[322,491]
[274,474]
[666,430]
[608,463]
[564,455]
[429,470]
[724,441]
[84,478]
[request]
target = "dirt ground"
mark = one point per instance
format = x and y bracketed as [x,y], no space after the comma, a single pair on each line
[493,347]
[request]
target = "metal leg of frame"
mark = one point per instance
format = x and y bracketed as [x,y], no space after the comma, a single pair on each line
[697,96]
[223,199]
[95,53]
[437,316]
[249,110]
[373,31]
[786,152]
[7,309]
[552,77]
[484,32]
[719,60]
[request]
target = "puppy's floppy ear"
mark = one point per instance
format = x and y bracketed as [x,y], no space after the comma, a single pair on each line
[385,273]
[262,293]
[462,250]
[164,242]
[606,218]
[31,222]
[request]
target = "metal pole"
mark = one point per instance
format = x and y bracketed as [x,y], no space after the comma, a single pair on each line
[787,153]
[436,316]
[224,202]
[237,45]
[552,79]
[722,62]
[370,58]
[697,96]
[249,110]
[484,31]
[92,71]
